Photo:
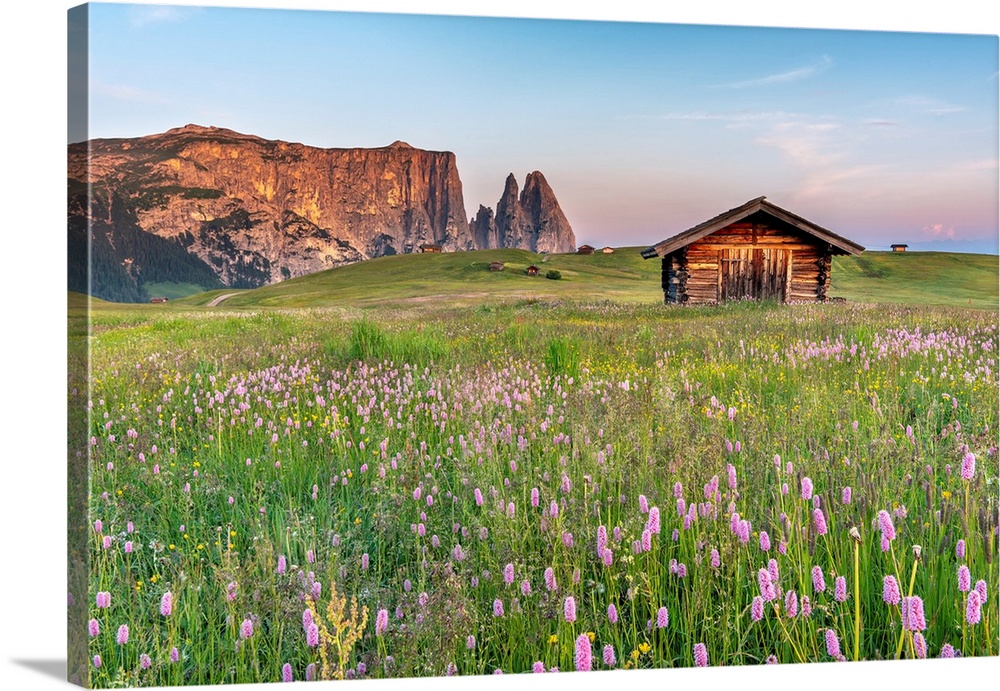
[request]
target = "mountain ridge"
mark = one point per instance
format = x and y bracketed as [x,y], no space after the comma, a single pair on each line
[238,210]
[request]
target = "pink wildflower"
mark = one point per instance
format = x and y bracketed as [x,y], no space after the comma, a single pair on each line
[94,628]
[807,488]
[498,608]
[381,622]
[286,673]
[819,521]
[973,608]
[791,604]
[166,604]
[919,646]
[960,549]
[968,466]
[912,610]
[122,634]
[653,522]
[890,590]
[612,614]
[583,657]
[609,655]
[757,608]
[765,541]
[840,589]
[819,583]
[246,629]
[981,589]
[700,655]
[964,578]
[550,579]
[662,618]
[569,609]
[833,644]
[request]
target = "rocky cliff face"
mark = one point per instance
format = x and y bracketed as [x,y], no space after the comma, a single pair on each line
[247,211]
[531,220]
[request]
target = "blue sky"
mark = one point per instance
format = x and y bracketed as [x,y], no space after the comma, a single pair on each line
[641,129]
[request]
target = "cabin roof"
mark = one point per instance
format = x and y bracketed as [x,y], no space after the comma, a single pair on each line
[760,204]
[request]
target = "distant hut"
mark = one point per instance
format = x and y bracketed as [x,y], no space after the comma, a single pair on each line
[899,248]
[496,266]
[584,249]
[757,251]
[532,270]
[433,249]
[157,300]
[607,250]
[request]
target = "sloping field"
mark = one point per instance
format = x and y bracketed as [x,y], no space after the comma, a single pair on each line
[464,278]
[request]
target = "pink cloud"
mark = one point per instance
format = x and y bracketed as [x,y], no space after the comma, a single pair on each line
[938,231]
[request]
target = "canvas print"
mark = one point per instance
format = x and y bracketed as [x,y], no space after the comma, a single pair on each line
[409,346]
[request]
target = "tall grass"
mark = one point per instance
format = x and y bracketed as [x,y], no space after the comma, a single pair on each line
[255,473]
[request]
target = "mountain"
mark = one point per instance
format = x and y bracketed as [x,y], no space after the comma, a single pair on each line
[214,207]
[532,220]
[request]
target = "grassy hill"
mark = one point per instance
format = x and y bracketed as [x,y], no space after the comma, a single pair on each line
[464,278]
[930,278]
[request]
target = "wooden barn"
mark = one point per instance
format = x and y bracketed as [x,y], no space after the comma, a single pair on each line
[898,248]
[431,249]
[584,249]
[532,270]
[756,251]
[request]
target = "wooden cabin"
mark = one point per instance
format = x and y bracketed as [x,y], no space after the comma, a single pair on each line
[532,270]
[434,249]
[756,251]
[607,250]
[584,249]
[496,266]
[157,300]
[898,248]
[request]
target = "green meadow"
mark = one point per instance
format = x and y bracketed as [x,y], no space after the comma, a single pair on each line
[414,466]
[463,278]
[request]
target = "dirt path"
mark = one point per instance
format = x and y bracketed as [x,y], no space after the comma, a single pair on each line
[216,300]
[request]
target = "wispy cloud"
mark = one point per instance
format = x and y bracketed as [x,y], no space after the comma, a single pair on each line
[881,123]
[931,106]
[140,16]
[780,77]
[125,92]
[732,117]
[822,152]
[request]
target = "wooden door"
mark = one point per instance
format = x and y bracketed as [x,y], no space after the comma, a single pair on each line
[753,273]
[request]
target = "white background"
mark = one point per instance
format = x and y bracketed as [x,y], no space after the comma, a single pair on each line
[32,373]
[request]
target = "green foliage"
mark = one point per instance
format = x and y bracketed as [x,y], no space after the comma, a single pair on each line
[368,342]
[553,274]
[562,358]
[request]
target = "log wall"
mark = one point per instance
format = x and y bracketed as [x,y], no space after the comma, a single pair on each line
[692,274]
